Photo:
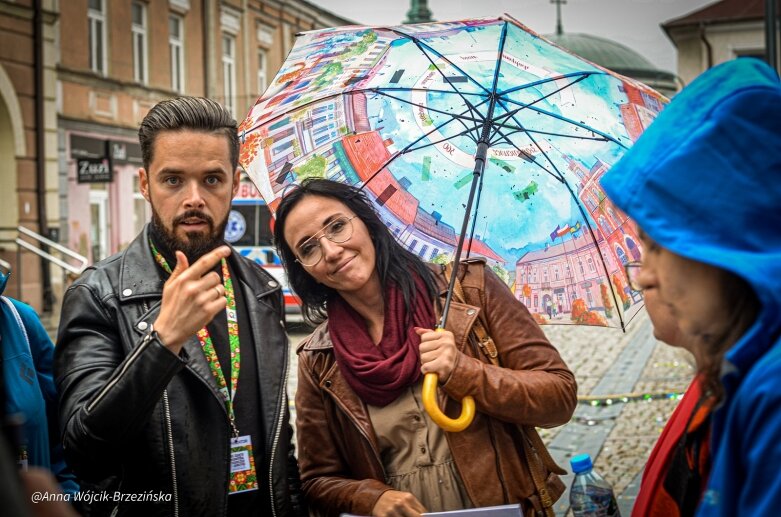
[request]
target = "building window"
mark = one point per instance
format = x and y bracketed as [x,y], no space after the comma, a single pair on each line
[229,72]
[591,265]
[261,72]
[414,243]
[96,14]
[282,147]
[138,27]
[423,250]
[176,48]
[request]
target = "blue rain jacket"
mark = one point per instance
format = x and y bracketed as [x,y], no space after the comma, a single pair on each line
[26,353]
[704,181]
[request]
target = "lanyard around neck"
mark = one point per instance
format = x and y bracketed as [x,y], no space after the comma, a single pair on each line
[208,346]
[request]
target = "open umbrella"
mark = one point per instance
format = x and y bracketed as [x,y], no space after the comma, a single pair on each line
[477,137]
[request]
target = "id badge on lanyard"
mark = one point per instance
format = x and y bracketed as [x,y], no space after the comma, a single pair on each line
[243,477]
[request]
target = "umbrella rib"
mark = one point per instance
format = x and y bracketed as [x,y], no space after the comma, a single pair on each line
[511,113]
[460,117]
[420,44]
[404,151]
[500,52]
[428,108]
[427,90]
[537,131]
[568,120]
[353,92]
[304,105]
[580,75]
[472,108]
[558,174]
[409,147]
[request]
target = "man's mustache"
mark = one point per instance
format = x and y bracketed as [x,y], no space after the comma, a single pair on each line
[193,214]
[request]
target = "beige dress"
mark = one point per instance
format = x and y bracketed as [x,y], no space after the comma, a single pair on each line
[415,453]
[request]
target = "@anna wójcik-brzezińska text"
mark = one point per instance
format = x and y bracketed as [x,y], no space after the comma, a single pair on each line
[89,497]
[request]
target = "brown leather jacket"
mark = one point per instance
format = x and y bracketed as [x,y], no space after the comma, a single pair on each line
[339,459]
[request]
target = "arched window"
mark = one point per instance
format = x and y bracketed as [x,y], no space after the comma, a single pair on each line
[621,255]
[633,249]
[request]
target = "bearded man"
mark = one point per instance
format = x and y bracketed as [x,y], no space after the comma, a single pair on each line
[172,357]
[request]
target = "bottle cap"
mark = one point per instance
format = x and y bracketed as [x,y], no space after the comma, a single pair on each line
[581,463]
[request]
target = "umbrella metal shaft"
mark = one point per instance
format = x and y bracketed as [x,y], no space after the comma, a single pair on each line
[482,152]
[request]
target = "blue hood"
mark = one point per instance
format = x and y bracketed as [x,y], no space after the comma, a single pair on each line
[704,181]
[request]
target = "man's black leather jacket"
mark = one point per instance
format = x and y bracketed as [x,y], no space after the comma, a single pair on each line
[132,411]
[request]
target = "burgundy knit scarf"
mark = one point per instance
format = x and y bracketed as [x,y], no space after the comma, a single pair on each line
[379,373]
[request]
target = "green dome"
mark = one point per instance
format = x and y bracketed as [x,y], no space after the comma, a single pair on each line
[617,57]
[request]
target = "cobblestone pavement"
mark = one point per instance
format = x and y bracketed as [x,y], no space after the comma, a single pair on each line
[619,437]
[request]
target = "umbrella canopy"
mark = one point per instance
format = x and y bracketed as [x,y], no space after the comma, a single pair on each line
[476,131]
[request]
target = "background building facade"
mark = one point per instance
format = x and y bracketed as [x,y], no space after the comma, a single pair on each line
[718,32]
[103,64]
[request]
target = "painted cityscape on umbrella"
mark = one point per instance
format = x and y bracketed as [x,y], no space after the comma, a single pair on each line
[399,110]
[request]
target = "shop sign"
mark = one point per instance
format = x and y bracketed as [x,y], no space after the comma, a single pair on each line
[117,152]
[93,170]
[125,153]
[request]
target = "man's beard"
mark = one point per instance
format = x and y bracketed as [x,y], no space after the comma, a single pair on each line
[197,243]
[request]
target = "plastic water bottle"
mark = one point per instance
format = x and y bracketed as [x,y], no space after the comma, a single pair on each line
[590,495]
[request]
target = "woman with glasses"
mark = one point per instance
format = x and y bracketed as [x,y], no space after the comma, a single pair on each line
[673,485]
[703,184]
[366,446]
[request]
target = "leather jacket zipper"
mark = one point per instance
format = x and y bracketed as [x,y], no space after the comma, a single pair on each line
[278,431]
[170,433]
[133,356]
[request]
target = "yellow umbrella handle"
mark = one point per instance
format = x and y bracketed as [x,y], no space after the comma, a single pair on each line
[442,420]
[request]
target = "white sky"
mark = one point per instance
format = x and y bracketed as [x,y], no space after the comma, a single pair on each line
[634,23]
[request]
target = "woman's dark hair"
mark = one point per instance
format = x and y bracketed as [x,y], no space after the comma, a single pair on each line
[393,262]
[744,313]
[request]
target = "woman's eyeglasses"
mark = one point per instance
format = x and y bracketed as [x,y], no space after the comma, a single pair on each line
[632,270]
[310,253]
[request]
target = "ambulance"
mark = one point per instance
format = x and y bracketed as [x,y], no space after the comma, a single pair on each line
[249,231]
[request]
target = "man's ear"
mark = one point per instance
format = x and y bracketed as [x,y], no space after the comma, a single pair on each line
[236,182]
[143,183]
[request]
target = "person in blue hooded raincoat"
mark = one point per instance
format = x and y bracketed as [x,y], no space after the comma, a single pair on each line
[26,360]
[703,184]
